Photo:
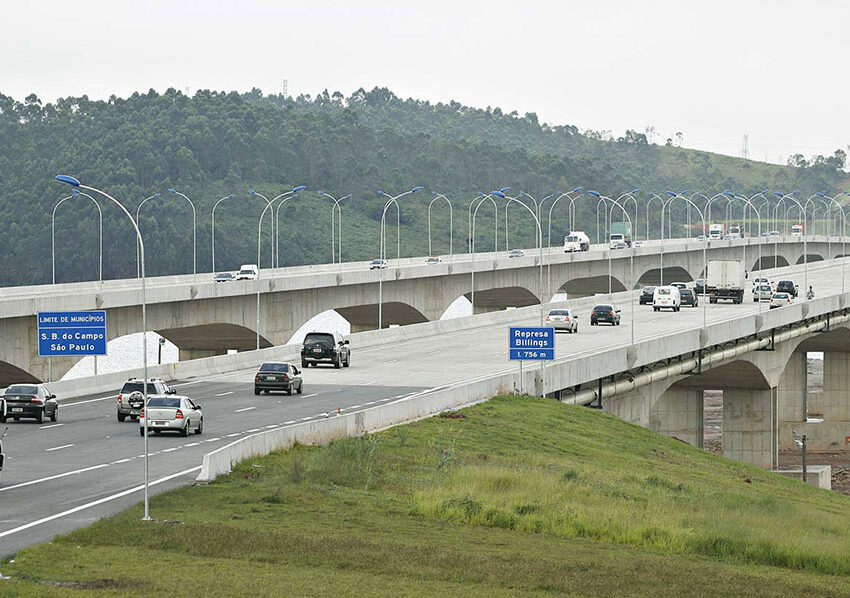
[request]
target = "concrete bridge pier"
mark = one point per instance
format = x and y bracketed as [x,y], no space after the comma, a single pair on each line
[679,413]
[750,426]
[833,405]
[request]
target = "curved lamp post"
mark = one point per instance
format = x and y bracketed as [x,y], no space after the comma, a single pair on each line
[76,183]
[833,200]
[194,233]
[336,209]
[451,222]
[793,199]
[139,207]
[570,214]
[701,213]
[212,229]
[390,200]
[480,198]
[283,197]
[74,193]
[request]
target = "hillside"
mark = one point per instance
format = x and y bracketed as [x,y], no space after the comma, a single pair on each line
[513,497]
[216,143]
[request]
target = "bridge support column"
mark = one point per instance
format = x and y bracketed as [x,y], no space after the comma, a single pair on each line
[750,426]
[791,398]
[833,405]
[679,413]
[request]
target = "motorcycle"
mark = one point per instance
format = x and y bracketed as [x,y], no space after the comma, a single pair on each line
[810,295]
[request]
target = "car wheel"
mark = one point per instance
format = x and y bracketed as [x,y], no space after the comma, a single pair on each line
[184,431]
[141,432]
[337,362]
[304,364]
[347,360]
[121,417]
[301,388]
[134,417]
[16,418]
[200,429]
[2,419]
[289,390]
[256,390]
[55,414]
[39,417]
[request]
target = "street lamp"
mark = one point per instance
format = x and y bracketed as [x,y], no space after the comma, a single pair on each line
[843,231]
[75,183]
[791,197]
[194,233]
[336,209]
[74,193]
[570,214]
[480,198]
[215,205]
[390,200]
[139,207]
[451,222]
[284,197]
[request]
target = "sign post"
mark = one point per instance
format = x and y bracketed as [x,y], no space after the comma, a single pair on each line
[66,333]
[536,343]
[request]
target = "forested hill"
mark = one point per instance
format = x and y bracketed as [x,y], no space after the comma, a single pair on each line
[213,144]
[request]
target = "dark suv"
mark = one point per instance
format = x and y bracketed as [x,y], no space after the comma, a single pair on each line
[275,375]
[325,347]
[786,286]
[130,398]
[646,295]
[605,313]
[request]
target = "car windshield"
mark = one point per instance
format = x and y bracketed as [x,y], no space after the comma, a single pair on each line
[603,308]
[648,289]
[274,367]
[663,291]
[224,275]
[319,338]
[377,261]
[137,387]
[572,239]
[246,271]
[22,389]
[780,296]
[685,292]
[559,312]
[168,402]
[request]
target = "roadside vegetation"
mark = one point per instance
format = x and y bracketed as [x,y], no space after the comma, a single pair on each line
[512,497]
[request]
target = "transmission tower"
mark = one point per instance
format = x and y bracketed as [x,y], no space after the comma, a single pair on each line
[285,89]
[745,147]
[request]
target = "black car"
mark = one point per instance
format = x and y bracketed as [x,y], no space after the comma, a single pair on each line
[278,376]
[688,297]
[31,401]
[646,295]
[699,286]
[325,347]
[786,286]
[605,313]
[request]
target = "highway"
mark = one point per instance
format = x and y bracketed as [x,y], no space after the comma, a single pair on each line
[65,475]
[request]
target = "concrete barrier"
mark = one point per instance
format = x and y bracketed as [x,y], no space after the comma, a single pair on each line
[816,475]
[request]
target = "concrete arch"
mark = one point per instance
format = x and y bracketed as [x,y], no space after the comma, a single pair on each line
[501,298]
[206,340]
[769,261]
[812,257]
[329,320]
[671,274]
[365,317]
[591,285]
[738,374]
[11,374]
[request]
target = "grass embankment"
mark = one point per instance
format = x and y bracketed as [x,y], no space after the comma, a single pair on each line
[519,497]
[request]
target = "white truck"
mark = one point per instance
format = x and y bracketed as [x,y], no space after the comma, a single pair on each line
[247,272]
[716,231]
[576,241]
[726,280]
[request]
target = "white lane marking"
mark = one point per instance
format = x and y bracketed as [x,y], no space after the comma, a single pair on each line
[369,383]
[371,402]
[254,430]
[50,426]
[168,450]
[232,435]
[55,477]
[56,448]
[292,421]
[191,444]
[89,401]
[307,396]
[387,399]
[222,394]
[303,419]
[355,407]
[211,439]
[271,426]
[121,461]
[434,352]
[82,507]
[244,409]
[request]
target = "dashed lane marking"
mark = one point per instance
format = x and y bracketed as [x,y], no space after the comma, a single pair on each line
[56,448]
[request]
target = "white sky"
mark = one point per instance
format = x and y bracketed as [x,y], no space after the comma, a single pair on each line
[775,69]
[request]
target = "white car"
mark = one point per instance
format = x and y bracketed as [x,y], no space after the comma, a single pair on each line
[378,264]
[763,292]
[637,244]
[247,272]
[761,280]
[433,259]
[780,300]
[172,414]
[563,319]
[516,253]
[679,285]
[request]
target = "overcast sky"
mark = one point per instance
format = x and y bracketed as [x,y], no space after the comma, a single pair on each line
[775,70]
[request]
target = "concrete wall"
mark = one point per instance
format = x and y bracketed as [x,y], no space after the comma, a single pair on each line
[750,426]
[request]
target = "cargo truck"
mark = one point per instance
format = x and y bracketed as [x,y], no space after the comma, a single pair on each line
[726,280]
[576,241]
[621,232]
[716,231]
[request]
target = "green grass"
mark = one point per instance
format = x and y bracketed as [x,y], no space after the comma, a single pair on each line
[519,497]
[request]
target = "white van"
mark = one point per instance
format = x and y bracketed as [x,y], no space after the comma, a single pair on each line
[666,298]
[576,241]
[247,272]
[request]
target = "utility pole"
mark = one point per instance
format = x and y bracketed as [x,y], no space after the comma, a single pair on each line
[745,147]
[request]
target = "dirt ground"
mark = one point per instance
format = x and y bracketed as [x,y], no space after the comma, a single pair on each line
[840,462]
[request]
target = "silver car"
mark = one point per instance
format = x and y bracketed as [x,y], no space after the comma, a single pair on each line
[172,414]
[563,319]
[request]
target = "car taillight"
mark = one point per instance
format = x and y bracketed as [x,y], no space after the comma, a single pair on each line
[285,378]
[548,319]
[611,313]
[257,378]
[142,413]
[566,318]
[35,400]
[179,414]
[119,399]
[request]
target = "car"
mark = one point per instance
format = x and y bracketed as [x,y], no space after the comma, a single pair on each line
[763,233]
[604,312]
[377,264]
[763,292]
[516,253]
[780,300]
[666,297]
[759,281]
[646,295]
[619,245]
[786,286]
[325,347]
[637,244]
[248,272]
[679,285]
[433,259]
[774,233]
[688,297]
[172,414]
[224,277]
[563,319]
[274,375]
[130,399]
[701,238]
[30,401]
[699,286]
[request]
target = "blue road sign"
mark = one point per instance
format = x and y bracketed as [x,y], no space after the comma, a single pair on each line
[531,343]
[62,333]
